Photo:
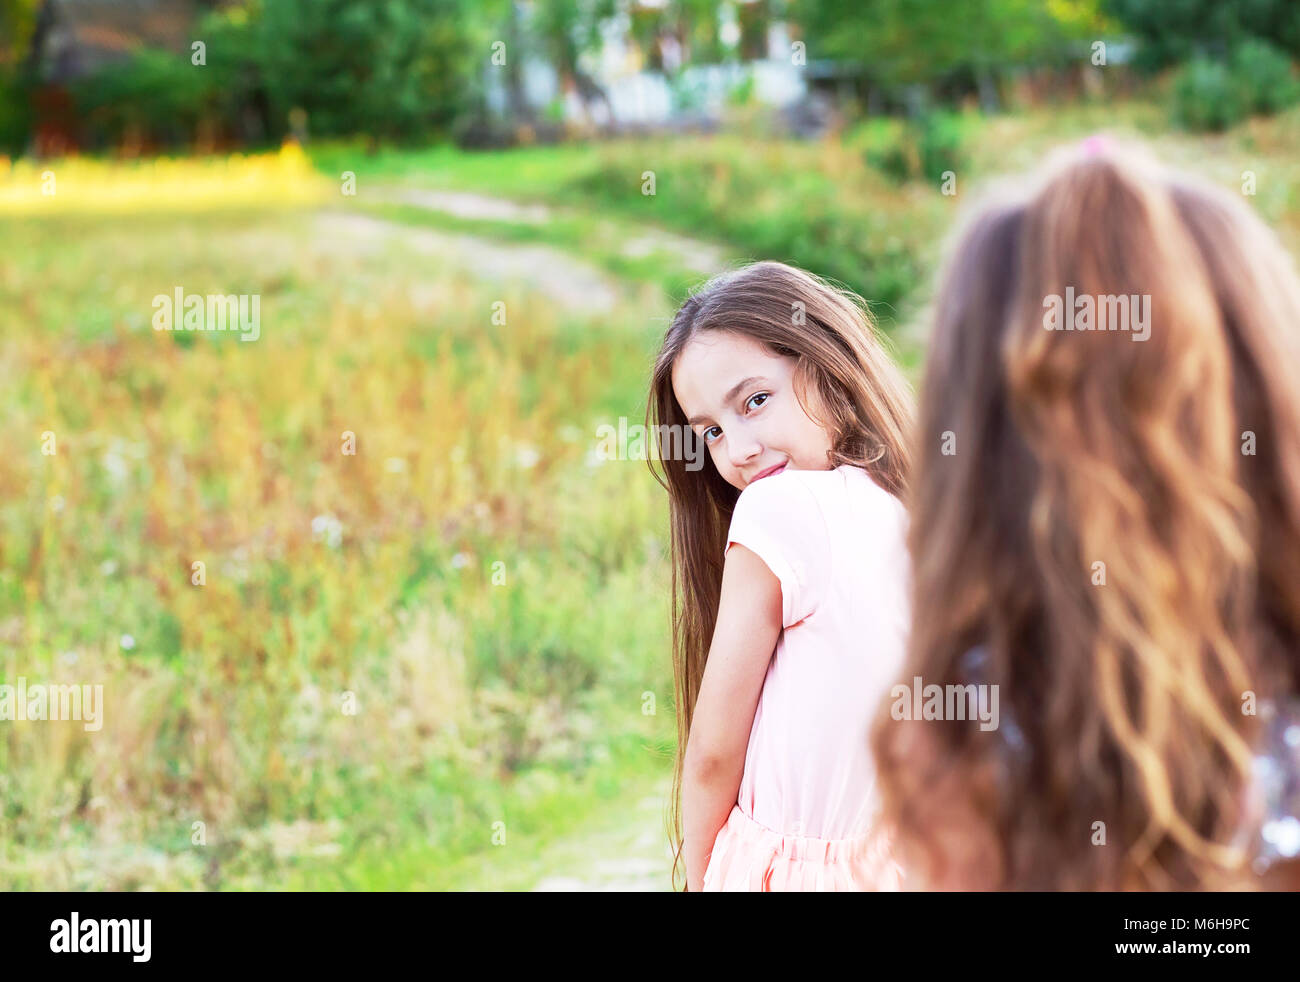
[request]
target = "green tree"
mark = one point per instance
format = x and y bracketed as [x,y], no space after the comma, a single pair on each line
[568,28]
[17,22]
[691,24]
[912,42]
[394,69]
[1174,30]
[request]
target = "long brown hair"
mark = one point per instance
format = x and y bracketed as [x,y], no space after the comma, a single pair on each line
[867,412]
[1106,528]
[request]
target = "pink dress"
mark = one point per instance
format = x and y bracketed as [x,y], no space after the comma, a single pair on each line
[807,803]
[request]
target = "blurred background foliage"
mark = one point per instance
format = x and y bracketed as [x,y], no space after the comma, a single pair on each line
[412,70]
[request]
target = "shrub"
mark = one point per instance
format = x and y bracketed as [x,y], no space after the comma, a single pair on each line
[1169,32]
[157,91]
[742,93]
[787,201]
[941,145]
[403,69]
[913,150]
[1206,96]
[400,69]
[15,113]
[886,146]
[1264,74]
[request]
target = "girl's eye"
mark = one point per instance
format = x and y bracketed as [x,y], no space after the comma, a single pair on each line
[762,396]
[705,434]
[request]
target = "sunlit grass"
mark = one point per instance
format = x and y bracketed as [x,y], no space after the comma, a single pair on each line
[494,603]
[80,185]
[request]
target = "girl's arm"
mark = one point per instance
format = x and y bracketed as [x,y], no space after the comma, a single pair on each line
[748,625]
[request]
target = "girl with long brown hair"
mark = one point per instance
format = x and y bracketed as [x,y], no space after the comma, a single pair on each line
[1105,529]
[783,379]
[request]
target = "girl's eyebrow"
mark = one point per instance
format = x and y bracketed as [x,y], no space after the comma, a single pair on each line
[731,394]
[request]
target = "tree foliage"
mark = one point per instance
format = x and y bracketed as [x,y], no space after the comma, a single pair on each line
[392,68]
[912,41]
[1174,30]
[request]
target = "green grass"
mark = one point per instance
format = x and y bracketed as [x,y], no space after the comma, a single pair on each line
[505,848]
[483,690]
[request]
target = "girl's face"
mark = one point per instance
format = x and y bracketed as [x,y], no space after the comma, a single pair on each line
[740,399]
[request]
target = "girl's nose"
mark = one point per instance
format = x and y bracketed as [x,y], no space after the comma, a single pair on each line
[742,447]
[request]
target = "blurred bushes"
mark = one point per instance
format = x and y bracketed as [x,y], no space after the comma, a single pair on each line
[153,92]
[814,205]
[15,112]
[1265,76]
[921,149]
[1172,32]
[402,69]
[1206,96]
[1215,94]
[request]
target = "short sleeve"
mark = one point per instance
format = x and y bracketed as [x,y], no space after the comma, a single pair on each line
[780,519]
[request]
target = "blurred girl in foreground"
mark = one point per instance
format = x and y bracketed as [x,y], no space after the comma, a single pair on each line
[1106,527]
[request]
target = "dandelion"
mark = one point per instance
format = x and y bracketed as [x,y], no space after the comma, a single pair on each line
[327,529]
[127,642]
[526,456]
[116,465]
[56,503]
[108,567]
[460,560]
[236,567]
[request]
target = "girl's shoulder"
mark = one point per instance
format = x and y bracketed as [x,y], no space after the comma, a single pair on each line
[845,493]
[848,492]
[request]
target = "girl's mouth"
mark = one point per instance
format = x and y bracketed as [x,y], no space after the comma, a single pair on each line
[769,472]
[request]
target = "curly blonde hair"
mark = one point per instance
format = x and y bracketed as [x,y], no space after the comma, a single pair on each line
[1114,543]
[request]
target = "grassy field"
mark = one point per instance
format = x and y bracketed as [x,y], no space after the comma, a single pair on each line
[461,624]
[491,597]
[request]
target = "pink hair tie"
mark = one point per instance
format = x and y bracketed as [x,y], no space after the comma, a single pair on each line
[1095,144]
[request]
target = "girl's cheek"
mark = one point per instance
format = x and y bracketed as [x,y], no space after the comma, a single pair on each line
[720,462]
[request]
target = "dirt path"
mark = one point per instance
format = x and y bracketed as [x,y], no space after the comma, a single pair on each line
[701,257]
[571,282]
[622,849]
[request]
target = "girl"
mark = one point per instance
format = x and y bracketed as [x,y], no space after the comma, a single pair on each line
[805,419]
[1106,526]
